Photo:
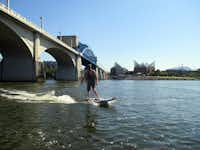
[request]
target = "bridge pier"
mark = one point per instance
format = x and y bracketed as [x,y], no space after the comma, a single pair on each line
[78,67]
[100,73]
[102,76]
[38,72]
[97,73]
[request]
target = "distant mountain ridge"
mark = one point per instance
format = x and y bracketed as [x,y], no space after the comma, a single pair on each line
[182,68]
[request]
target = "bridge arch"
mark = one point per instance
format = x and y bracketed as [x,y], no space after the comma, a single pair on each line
[66,66]
[17,63]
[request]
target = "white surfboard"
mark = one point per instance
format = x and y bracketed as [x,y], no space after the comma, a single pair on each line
[103,102]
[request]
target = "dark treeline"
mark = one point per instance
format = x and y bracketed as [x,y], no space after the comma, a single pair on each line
[50,68]
[177,73]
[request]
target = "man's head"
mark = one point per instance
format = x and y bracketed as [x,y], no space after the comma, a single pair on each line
[89,67]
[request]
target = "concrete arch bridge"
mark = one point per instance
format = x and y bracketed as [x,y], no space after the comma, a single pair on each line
[22,43]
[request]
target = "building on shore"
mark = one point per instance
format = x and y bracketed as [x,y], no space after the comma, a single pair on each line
[118,70]
[144,68]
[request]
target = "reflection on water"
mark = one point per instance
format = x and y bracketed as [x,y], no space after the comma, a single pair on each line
[54,115]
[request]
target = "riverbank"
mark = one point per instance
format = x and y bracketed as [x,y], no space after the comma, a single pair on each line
[130,77]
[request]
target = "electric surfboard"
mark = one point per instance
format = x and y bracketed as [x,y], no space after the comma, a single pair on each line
[102,102]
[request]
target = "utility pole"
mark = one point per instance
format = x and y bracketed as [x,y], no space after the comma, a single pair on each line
[8,3]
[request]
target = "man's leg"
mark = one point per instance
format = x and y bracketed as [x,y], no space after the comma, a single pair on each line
[93,84]
[95,92]
[88,90]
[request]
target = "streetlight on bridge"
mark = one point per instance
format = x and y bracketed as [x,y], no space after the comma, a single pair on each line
[60,36]
[8,3]
[41,22]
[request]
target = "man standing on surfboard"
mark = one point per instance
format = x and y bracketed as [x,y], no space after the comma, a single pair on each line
[91,80]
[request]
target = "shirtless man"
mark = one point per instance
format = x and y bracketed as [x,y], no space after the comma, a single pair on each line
[91,80]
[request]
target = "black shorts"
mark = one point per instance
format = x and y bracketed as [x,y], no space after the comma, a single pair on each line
[90,84]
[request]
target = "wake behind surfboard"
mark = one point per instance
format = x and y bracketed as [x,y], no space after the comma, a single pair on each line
[102,102]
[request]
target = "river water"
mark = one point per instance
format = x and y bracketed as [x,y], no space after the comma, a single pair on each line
[146,115]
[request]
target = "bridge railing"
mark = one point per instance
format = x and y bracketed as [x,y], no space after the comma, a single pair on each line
[17,15]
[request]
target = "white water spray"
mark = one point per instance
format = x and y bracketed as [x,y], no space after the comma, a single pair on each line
[28,97]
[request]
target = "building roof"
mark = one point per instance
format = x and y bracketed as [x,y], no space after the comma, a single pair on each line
[136,64]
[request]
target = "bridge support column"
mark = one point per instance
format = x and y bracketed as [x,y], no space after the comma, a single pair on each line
[38,65]
[100,74]
[104,76]
[78,67]
[97,73]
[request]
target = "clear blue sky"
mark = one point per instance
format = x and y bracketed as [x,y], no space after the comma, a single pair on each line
[165,31]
